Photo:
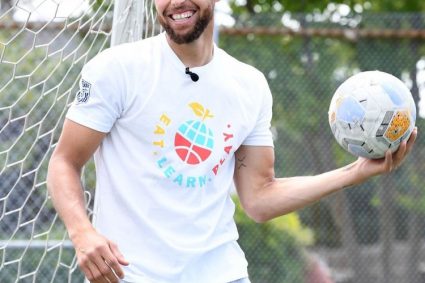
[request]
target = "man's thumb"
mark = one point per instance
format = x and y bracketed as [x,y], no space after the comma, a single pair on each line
[118,254]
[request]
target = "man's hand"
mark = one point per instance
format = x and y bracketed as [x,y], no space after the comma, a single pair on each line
[372,167]
[98,257]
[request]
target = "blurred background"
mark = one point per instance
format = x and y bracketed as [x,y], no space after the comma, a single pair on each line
[306,49]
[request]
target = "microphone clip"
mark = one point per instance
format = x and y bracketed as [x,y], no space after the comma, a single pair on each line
[192,75]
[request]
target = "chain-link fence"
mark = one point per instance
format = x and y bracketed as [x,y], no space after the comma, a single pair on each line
[374,232]
[371,233]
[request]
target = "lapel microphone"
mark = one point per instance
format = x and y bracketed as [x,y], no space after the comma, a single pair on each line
[192,75]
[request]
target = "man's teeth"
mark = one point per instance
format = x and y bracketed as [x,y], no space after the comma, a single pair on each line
[181,16]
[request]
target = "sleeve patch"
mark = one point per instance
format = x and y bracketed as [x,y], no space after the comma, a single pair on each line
[84,93]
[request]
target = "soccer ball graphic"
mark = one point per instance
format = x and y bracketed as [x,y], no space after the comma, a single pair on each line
[372,112]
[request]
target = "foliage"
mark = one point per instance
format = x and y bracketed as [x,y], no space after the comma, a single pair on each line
[319,6]
[273,249]
[292,225]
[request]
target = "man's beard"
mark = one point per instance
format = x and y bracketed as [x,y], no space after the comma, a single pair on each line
[200,25]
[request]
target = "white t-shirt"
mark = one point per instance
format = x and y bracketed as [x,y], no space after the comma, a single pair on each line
[165,169]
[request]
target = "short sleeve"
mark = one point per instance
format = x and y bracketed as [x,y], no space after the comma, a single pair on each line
[99,100]
[261,134]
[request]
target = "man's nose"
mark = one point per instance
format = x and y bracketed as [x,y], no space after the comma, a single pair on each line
[177,3]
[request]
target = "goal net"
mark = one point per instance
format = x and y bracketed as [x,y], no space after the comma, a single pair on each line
[43,46]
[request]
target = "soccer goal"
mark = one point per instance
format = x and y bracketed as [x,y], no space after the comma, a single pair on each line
[43,46]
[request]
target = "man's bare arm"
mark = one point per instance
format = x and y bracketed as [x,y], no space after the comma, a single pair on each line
[98,257]
[75,147]
[264,196]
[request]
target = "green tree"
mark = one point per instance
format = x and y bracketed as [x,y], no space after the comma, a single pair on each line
[309,6]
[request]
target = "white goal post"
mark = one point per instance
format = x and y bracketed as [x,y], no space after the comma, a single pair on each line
[43,46]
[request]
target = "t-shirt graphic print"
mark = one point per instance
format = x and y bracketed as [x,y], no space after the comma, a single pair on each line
[194,141]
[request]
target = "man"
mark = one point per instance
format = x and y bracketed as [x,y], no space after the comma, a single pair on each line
[172,121]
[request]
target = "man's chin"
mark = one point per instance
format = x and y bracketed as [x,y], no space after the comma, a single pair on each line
[181,38]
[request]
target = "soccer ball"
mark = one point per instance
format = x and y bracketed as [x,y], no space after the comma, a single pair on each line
[372,112]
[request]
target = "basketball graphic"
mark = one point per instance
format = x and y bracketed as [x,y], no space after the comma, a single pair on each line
[194,141]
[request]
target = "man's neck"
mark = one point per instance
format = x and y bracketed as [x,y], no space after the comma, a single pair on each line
[196,53]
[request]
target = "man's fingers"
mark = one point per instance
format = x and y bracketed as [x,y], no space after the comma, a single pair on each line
[412,140]
[117,254]
[96,275]
[105,270]
[400,154]
[87,272]
[113,264]
[99,258]
[96,268]
[87,267]
[388,161]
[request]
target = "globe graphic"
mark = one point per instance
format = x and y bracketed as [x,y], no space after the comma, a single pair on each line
[193,142]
